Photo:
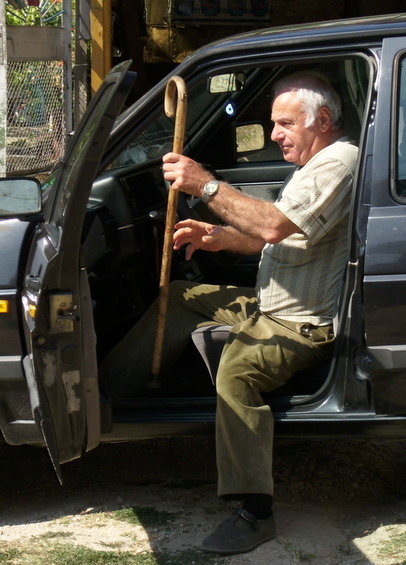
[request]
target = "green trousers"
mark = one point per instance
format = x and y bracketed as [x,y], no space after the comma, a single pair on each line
[260,355]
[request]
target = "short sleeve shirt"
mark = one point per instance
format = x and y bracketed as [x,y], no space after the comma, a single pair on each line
[298,278]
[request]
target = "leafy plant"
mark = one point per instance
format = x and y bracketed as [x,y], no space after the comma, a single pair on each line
[47,12]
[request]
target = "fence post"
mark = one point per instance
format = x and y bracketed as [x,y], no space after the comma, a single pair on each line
[3,90]
[68,98]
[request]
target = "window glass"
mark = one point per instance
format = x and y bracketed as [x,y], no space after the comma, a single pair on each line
[228,114]
[349,77]
[401,134]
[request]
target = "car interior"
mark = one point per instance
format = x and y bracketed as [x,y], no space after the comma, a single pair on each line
[228,130]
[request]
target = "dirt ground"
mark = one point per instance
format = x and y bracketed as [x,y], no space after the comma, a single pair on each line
[336,502]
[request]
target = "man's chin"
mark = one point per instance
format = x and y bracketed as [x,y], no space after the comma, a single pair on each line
[288,157]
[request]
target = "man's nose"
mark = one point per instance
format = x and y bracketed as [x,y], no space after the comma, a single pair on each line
[276,133]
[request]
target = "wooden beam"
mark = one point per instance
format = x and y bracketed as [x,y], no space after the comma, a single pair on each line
[100,26]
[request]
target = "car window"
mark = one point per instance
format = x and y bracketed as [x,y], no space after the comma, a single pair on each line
[228,114]
[350,79]
[401,133]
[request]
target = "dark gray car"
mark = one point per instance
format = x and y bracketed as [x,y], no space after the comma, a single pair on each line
[80,265]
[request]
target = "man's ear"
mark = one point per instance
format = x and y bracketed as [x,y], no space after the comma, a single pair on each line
[324,119]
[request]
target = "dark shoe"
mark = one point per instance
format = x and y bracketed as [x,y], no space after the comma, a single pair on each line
[241,532]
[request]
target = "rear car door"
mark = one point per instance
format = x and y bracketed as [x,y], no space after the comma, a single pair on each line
[60,365]
[385,257]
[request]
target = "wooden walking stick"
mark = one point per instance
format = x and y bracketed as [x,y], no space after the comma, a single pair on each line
[175,106]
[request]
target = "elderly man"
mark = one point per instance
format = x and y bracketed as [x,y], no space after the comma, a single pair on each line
[283,325]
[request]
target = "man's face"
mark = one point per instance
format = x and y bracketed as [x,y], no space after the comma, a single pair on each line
[297,142]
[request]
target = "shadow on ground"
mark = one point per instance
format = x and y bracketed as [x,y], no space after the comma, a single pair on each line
[330,495]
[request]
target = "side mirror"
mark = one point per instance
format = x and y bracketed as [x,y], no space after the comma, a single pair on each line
[19,197]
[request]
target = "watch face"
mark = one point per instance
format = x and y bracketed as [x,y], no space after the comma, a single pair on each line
[211,188]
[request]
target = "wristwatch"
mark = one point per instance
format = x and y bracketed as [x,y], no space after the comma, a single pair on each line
[209,190]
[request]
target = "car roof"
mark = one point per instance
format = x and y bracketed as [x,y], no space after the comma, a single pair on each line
[346,30]
[363,30]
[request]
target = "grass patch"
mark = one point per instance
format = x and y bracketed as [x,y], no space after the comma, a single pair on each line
[68,554]
[303,556]
[53,535]
[189,557]
[8,554]
[299,555]
[345,548]
[77,555]
[395,548]
[143,516]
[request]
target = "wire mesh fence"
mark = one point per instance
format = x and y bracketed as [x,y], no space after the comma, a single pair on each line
[36,125]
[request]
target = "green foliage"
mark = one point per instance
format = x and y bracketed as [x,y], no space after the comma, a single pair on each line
[48,13]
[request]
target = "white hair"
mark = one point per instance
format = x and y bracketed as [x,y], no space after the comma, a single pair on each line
[314,91]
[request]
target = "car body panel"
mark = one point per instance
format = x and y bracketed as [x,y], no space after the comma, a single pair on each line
[385,259]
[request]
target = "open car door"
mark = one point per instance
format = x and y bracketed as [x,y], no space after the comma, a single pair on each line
[60,365]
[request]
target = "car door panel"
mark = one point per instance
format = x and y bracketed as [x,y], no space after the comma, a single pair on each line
[261,180]
[56,301]
[384,281]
